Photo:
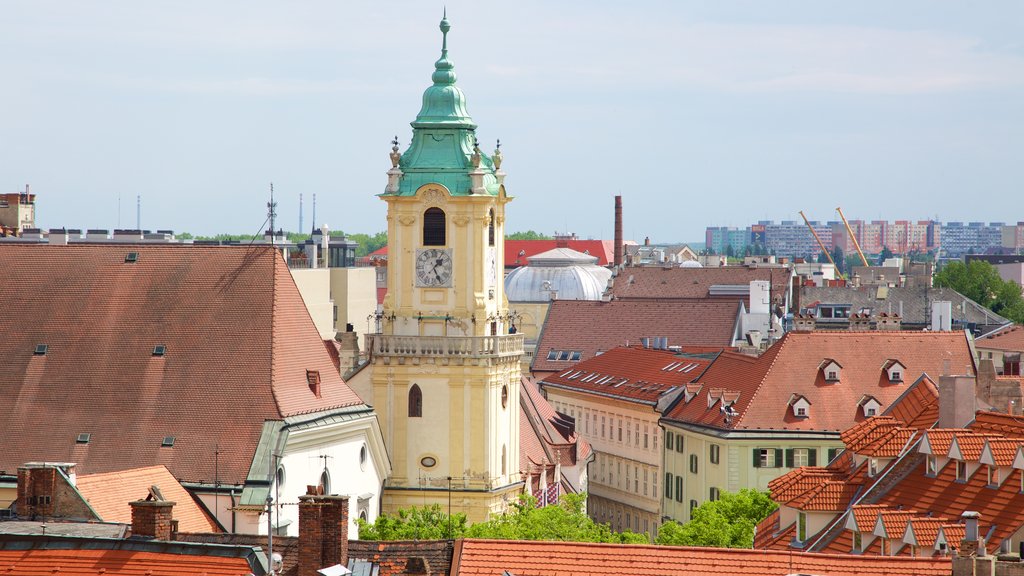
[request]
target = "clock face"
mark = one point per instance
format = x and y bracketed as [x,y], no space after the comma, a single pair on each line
[433,267]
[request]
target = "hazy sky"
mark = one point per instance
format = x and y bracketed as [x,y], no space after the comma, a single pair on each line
[698,113]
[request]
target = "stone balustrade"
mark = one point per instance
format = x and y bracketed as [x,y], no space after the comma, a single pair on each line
[448,346]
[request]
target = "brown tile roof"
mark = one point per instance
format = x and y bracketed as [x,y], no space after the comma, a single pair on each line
[792,366]
[592,327]
[1009,339]
[110,492]
[632,373]
[393,557]
[999,423]
[238,339]
[659,282]
[492,557]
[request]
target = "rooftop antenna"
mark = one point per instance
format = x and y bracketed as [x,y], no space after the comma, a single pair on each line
[138,212]
[272,213]
[301,228]
[314,209]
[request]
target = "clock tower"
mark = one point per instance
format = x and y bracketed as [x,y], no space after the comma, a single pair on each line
[445,370]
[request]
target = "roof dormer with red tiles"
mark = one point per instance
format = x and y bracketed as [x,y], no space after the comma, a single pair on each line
[997,456]
[894,371]
[831,370]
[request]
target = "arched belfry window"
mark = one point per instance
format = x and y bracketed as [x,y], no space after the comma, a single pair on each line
[434,227]
[415,402]
[490,230]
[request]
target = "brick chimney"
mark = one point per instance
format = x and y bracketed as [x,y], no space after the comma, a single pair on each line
[153,519]
[323,532]
[618,231]
[889,321]
[348,349]
[972,544]
[37,486]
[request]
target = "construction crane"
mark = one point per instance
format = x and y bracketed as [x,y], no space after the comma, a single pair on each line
[852,237]
[820,243]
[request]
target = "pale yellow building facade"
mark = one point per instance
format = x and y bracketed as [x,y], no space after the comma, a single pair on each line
[444,371]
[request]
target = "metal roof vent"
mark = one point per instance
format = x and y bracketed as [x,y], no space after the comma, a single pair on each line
[83,438]
[41,350]
[159,350]
[168,442]
[131,257]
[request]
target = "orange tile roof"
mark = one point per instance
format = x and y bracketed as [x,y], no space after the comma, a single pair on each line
[630,373]
[918,407]
[953,534]
[828,496]
[791,366]
[110,492]
[1010,339]
[939,440]
[675,283]
[237,334]
[865,516]
[766,529]
[42,562]
[999,423]
[894,522]
[1003,450]
[492,557]
[923,530]
[970,444]
[868,432]
[594,327]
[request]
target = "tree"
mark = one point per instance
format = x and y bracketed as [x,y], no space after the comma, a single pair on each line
[980,281]
[415,523]
[528,235]
[885,255]
[724,523]
[729,252]
[565,521]
[839,258]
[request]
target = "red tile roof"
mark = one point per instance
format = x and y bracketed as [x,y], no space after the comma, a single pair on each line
[238,339]
[999,423]
[544,438]
[517,252]
[970,444]
[866,515]
[630,373]
[79,562]
[918,407]
[1010,339]
[493,557]
[660,282]
[923,530]
[110,492]
[894,522]
[592,327]
[791,366]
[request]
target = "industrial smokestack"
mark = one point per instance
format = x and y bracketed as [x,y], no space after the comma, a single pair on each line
[618,231]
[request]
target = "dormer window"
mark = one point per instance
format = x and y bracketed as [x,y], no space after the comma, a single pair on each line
[800,406]
[993,475]
[894,370]
[872,467]
[831,369]
[313,380]
[869,405]
[961,471]
[931,465]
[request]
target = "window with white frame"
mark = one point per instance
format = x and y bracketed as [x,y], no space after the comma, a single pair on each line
[714,453]
[932,465]
[961,471]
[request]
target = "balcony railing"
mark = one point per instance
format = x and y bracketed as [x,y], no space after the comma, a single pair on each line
[464,346]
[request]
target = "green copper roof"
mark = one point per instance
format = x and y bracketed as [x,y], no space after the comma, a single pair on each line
[443,136]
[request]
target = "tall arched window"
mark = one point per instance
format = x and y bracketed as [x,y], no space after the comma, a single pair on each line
[415,402]
[434,227]
[490,230]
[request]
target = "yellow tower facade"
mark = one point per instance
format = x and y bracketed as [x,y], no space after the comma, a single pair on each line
[445,370]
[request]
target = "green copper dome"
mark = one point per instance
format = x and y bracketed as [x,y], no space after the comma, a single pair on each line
[444,136]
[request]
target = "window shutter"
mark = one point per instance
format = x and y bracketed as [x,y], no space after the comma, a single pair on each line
[778,457]
[812,457]
[789,458]
[757,457]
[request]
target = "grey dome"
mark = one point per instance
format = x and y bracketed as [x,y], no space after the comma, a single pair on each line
[573,275]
